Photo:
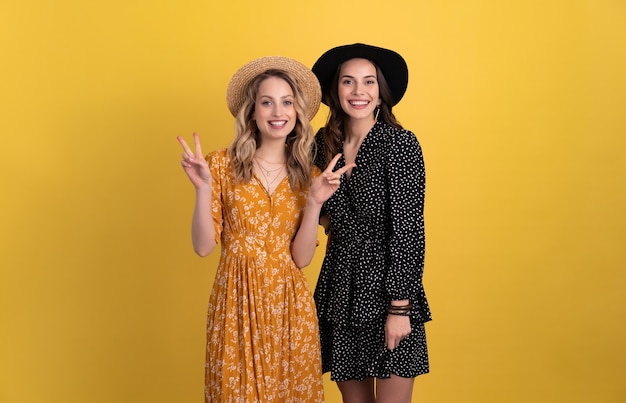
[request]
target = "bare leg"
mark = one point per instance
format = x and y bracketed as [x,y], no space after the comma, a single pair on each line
[357,391]
[394,390]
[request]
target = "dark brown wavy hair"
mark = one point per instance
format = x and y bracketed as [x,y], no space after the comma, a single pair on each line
[333,130]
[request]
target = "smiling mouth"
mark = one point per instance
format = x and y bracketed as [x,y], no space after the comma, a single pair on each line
[279,123]
[359,103]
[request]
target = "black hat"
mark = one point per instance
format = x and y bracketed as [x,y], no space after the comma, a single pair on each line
[393,66]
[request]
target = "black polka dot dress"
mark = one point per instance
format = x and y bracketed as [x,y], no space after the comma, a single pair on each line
[375,254]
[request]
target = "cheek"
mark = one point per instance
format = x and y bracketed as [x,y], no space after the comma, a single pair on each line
[293,121]
[292,113]
[374,92]
[255,114]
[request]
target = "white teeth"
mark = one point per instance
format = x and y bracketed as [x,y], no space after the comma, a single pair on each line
[278,123]
[359,103]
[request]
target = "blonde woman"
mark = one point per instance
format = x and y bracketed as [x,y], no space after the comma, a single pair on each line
[261,198]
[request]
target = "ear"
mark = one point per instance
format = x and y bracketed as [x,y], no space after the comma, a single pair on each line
[380,101]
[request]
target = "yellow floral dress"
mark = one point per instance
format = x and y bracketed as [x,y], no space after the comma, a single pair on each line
[262,331]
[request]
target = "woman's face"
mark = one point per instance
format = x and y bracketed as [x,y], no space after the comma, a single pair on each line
[358,88]
[274,110]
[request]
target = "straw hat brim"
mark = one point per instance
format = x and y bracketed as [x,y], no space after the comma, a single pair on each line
[236,91]
[393,66]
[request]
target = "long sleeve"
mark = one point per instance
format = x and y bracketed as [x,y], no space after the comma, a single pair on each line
[406,181]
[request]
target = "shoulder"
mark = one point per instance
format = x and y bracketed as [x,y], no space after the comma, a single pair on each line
[397,135]
[319,139]
[220,153]
[319,134]
[397,140]
[316,172]
[218,158]
[318,149]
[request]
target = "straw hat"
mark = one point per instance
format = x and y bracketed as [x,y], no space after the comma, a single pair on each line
[305,79]
[393,66]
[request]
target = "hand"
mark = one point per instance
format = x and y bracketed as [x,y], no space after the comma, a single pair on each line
[328,182]
[396,329]
[194,164]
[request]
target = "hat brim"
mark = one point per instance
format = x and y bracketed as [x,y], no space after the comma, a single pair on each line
[306,80]
[393,66]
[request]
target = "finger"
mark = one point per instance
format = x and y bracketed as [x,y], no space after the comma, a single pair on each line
[185,146]
[343,170]
[196,139]
[332,163]
[332,178]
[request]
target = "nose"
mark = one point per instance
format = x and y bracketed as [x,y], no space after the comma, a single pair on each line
[277,110]
[356,89]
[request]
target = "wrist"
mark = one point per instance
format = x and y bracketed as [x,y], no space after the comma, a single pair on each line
[312,203]
[204,189]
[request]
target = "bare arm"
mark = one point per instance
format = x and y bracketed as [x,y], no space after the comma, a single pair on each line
[197,169]
[202,227]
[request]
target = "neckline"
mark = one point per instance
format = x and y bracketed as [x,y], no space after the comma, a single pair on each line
[265,189]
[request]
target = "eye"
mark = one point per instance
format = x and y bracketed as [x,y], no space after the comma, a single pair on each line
[288,103]
[370,82]
[266,103]
[346,81]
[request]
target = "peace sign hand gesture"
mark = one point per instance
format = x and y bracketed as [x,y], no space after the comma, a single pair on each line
[194,164]
[328,182]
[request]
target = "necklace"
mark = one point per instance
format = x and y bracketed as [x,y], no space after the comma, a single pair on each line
[269,162]
[267,173]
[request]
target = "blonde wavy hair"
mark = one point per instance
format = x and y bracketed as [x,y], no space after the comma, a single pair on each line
[298,145]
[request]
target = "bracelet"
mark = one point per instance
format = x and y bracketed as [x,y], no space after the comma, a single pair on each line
[402,310]
[398,313]
[403,307]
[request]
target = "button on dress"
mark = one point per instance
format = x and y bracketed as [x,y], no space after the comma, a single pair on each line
[262,330]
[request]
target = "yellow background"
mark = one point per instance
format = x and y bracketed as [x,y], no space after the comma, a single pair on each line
[519,105]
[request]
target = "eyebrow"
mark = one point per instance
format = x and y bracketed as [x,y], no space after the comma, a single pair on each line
[270,97]
[349,76]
